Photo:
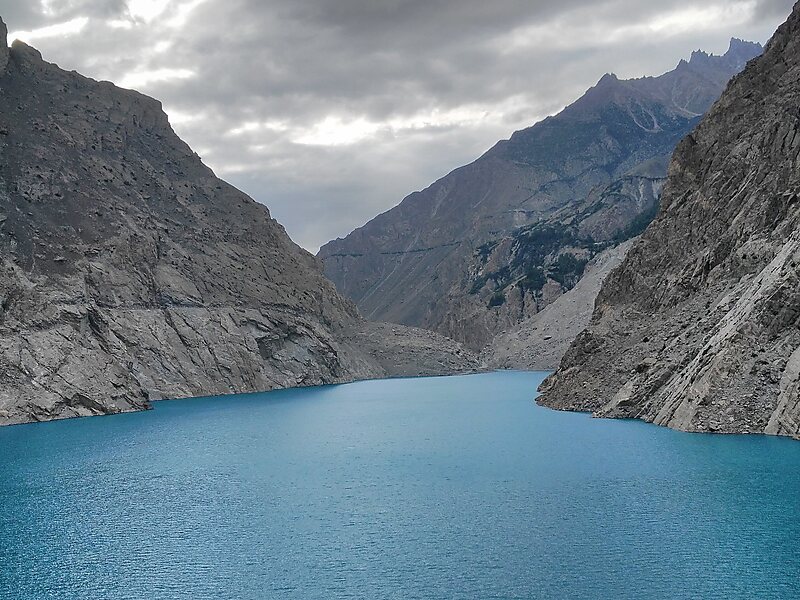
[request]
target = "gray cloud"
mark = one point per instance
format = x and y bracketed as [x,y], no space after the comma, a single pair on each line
[330,112]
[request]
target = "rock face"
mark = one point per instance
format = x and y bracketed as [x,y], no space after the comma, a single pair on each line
[4,51]
[540,341]
[129,272]
[496,241]
[699,328]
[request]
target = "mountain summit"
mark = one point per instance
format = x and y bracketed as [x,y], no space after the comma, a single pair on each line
[742,52]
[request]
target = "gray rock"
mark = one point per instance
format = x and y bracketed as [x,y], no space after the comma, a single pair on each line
[129,272]
[698,328]
[3,47]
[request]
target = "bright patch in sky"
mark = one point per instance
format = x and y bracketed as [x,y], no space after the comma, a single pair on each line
[59,29]
[179,118]
[139,79]
[120,24]
[146,10]
[708,17]
[335,131]
[162,46]
[253,126]
[182,13]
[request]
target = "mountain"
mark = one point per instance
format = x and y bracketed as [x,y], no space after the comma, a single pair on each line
[497,240]
[129,272]
[699,328]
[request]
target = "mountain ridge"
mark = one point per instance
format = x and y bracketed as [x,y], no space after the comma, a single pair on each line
[544,176]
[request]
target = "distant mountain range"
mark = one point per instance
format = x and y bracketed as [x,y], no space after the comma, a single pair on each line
[494,242]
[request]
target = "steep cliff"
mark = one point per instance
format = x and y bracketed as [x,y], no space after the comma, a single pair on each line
[699,328]
[497,240]
[129,272]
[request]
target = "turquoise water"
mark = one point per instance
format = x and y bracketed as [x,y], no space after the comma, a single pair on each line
[455,487]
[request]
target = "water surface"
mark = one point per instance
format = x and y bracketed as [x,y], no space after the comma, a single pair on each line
[456,487]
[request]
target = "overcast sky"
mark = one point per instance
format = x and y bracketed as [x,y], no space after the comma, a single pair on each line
[331,111]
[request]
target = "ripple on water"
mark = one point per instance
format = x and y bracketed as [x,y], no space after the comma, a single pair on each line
[455,487]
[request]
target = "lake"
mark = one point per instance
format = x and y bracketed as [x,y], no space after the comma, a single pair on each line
[453,487]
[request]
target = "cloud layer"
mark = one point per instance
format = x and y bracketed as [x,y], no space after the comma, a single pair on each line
[331,112]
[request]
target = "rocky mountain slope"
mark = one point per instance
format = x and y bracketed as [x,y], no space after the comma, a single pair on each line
[129,272]
[497,240]
[699,328]
[540,341]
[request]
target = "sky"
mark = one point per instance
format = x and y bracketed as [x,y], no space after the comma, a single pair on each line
[332,111]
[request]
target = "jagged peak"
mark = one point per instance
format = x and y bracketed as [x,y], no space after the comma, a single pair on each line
[18,47]
[742,51]
[738,45]
[608,78]
[739,53]
[21,48]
